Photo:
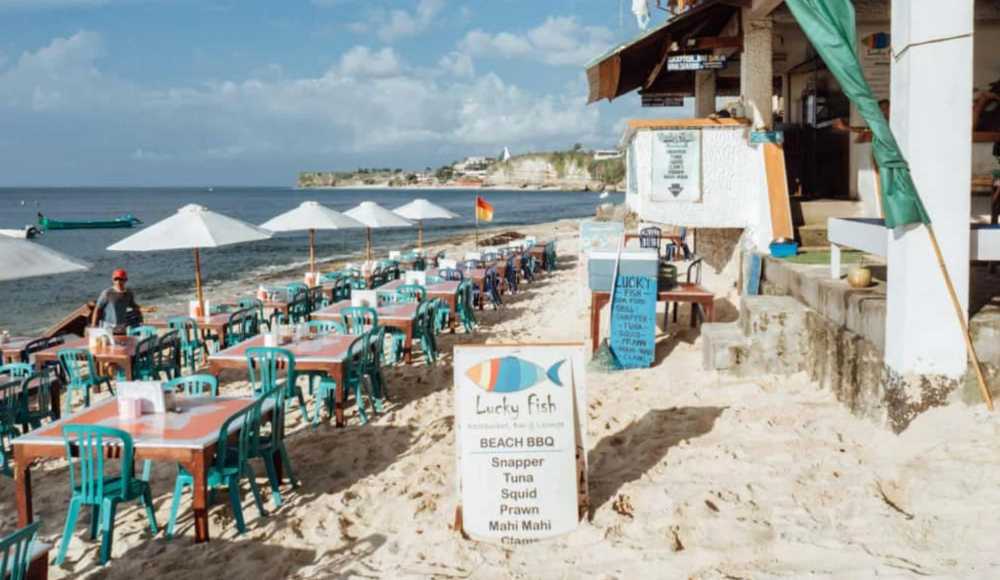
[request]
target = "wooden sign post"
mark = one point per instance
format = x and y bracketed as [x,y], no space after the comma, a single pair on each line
[520,412]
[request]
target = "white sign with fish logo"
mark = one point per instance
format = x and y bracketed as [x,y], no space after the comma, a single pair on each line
[520,440]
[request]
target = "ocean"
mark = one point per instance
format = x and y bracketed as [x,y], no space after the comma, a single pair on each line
[167,278]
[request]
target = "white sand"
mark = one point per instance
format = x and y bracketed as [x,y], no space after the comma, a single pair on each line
[693,475]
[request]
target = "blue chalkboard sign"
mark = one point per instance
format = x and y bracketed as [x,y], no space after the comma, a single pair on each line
[633,321]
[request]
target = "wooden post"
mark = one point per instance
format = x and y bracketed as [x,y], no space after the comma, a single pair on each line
[475,210]
[369,244]
[312,251]
[420,233]
[984,390]
[197,282]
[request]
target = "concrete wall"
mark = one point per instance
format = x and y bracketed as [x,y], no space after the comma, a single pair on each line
[734,186]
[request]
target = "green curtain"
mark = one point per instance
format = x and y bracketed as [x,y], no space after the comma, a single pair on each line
[830,26]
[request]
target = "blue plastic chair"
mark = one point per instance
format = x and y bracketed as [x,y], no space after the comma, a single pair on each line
[266,366]
[144,364]
[465,305]
[15,371]
[81,371]
[10,393]
[142,331]
[37,399]
[411,293]
[194,386]
[15,552]
[91,485]
[359,319]
[229,467]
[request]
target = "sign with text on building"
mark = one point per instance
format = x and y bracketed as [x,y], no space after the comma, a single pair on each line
[633,320]
[875,54]
[676,166]
[520,412]
[696,62]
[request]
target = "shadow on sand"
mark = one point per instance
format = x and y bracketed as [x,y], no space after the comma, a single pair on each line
[625,456]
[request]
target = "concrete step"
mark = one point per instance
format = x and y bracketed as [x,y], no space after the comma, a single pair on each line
[776,330]
[813,235]
[723,345]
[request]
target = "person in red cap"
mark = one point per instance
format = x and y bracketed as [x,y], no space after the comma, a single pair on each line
[112,310]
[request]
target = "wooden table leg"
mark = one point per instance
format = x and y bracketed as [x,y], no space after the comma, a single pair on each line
[38,569]
[22,484]
[597,301]
[199,504]
[710,310]
[57,389]
[453,310]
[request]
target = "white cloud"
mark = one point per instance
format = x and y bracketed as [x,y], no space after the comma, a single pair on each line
[559,41]
[391,25]
[457,64]
[368,102]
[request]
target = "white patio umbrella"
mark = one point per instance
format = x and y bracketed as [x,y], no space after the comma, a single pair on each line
[372,215]
[419,210]
[23,259]
[311,216]
[192,227]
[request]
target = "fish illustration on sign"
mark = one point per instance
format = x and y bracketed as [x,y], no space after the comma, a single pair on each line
[510,374]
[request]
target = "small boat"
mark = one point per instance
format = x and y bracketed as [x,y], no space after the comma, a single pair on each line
[125,221]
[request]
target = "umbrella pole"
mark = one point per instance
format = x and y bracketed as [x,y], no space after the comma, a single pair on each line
[420,234]
[369,244]
[312,251]
[197,282]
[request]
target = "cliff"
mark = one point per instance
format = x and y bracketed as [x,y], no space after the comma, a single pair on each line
[569,170]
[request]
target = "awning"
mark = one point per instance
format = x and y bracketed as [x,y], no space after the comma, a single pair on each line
[640,62]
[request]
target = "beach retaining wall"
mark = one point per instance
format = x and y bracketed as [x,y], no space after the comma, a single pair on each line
[836,334]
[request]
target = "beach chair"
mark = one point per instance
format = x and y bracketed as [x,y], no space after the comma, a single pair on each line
[16,552]
[423,332]
[693,276]
[81,374]
[651,237]
[342,289]
[257,307]
[358,377]
[440,314]
[411,293]
[194,386]
[465,305]
[94,484]
[511,277]
[272,376]
[8,432]
[317,299]
[359,319]
[168,356]
[451,274]
[491,290]
[229,467]
[527,266]
[193,347]
[293,290]
[550,256]
[142,331]
[144,366]
[673,249]
[37,403]
[15,370]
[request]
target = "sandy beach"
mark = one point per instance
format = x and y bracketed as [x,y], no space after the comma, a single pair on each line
[693,475]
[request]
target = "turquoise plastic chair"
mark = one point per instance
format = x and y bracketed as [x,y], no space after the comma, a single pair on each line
[37,399]
[169,355]
[229,467]
[293,290]
[16,371]
[265,366]
[192,344]
[194,386]
[359,319]
[464,307]
[142,331]
[8,425]
[81,371]
[359,284]
[357,379]
[15,552]
[411,293]
[423,334]
[86,446]
[144,359]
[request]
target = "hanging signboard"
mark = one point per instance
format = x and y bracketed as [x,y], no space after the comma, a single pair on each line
[520,423]
[662,100]
[676,166]
[633,319]
[596,235]
[875,55]
[696,62]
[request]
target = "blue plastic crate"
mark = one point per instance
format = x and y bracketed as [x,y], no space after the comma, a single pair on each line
[784,249]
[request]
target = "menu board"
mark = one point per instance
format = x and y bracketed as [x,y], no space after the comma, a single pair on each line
[676,166]
[633,321]
[595,235]
[875,54]
[520,413]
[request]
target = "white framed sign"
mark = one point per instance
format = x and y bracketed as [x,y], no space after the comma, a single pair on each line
[520,425]
[676,166]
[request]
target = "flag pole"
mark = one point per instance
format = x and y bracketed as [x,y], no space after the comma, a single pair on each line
[984,391]
[477,219]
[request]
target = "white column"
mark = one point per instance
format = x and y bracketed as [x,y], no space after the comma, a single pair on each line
[757,69]
[704,93]
[932,120]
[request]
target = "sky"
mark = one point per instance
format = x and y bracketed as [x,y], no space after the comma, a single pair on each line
[250,92]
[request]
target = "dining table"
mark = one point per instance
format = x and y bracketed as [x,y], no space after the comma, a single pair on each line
[13,347]
[212,328]
[118,355]
[400,316]
[447,291]
[187,436]
[325,353]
